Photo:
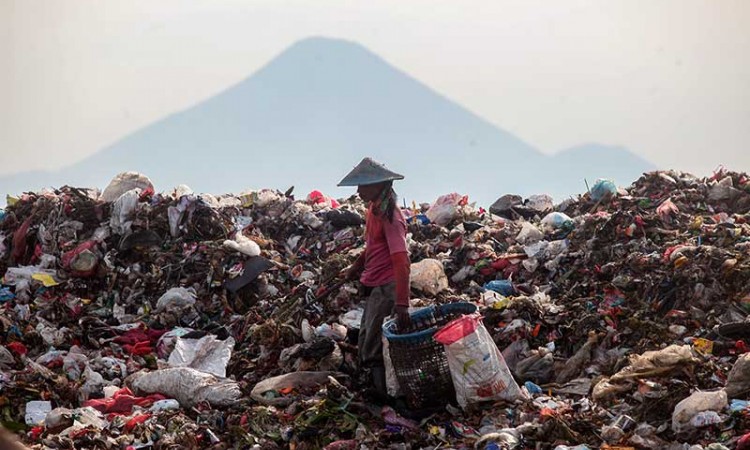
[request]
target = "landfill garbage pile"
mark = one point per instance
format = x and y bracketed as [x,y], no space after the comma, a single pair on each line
[134,319]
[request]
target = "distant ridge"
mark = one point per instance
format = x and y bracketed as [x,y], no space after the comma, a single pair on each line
[312,113]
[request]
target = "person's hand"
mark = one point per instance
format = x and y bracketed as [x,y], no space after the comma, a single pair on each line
[403,320]
[350,273]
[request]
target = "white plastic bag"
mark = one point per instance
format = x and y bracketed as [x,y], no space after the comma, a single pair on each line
[445,209]
[477,367]
[243,244]
[124,182]
[36,411]
[206,354]
[266,392]
[187,385]
[738,380]
[529,234]
[556,220]
[176,299]
[428,276]
[698,402]
[123,212]
[391,381]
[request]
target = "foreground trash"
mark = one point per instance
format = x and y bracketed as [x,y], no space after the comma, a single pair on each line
[179,320]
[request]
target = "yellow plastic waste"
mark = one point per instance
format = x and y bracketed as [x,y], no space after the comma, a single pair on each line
[46,279]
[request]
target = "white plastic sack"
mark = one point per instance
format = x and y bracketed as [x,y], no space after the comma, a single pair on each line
[738,380]
[94,383]
[165,344]
[243,244]
[175,298]
[187,385]
[656,363]
[265,197]
[206,354]
[353,318]
[698,402]
[125,182]
[335,331]
[391,381]
[294,380]
[529,234]
[123,211]
[176,214]
[15,275]
[555,221]
[445,209]
[36,411]
[428,276]
[477,367]
[182,190]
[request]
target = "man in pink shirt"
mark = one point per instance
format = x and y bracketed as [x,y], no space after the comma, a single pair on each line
[383,267]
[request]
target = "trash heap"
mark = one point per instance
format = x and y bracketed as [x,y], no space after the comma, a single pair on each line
[134,319]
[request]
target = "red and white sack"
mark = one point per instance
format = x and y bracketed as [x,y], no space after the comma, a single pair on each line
[477,367]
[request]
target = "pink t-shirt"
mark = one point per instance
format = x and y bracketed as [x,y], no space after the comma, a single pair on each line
[382,239]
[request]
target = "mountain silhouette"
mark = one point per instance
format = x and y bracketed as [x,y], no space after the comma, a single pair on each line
[309,115]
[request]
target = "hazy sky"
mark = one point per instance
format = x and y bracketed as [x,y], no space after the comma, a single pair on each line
[668,79]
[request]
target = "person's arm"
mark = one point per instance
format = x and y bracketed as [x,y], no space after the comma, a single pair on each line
[395,234]
[352,273]
[9,440]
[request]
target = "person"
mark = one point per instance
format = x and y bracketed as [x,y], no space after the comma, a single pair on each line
[9,441]
[383,266]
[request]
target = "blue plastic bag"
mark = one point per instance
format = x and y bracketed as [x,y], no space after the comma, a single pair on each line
[533,388]
[502,287]
[603,188]
[419,218]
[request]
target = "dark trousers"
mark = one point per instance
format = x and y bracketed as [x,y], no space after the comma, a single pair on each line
[378,305]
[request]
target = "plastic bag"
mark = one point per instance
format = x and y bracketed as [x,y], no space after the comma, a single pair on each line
[123,211]
[243,244]
[666,210]
[175,298]
[529,234]
[82,260]
[335,331]
[318,198]
[477,367]
[188,386]
[36,411]
[267,392]
[603,188]
[445,208]
[738,380]
[182,190]
[656,362]
[428,276]
[124,182]
[556,221]
[352,319]
[176,214]
[697,403]
[206,354]
[502,287]
[167,341]
[15,275]
[264,198]
[391,381]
